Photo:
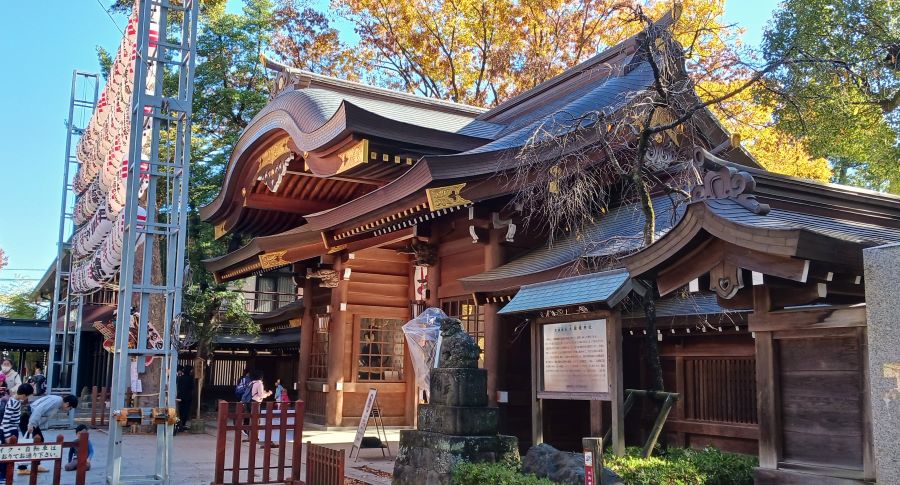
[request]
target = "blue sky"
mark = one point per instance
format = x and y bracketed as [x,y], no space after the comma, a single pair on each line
[39,49]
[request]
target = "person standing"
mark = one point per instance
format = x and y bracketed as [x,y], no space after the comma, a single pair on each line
[184,385]
[13,380]
[258,390]
[12,415]
[279,391]
[38,381]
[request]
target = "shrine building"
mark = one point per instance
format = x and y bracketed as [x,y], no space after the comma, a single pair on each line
[379,204]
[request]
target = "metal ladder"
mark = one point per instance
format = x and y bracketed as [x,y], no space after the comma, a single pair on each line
[66,309]
[166,159]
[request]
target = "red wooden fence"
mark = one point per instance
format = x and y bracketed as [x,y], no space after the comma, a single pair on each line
[270,428]
[80,443]
[324,466]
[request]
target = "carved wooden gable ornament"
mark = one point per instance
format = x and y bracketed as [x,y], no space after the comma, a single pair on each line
[724,182]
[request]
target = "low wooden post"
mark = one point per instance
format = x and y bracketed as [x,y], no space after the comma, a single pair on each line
[593,460]
[81,467]
[11,466]
[58,464]
[221,435]
[94,406]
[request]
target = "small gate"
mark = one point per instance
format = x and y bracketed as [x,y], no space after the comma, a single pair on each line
[13,453]
[324,466]
[274,437]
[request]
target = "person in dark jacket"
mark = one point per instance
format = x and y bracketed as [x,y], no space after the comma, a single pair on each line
[184,385]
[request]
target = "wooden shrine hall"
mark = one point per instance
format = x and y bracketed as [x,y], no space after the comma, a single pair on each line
[382,203]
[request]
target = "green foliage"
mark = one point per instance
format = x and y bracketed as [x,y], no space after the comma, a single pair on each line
[493,473]
[17,303]
[680,466]
[843,91]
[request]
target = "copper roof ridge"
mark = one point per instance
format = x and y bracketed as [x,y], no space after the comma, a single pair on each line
[605,56]
[310,79]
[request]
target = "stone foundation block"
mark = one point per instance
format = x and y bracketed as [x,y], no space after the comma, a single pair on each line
[456,420]
[459,387]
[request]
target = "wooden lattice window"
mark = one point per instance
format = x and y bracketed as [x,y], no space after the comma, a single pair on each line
[472,317]
[318,356]
[380,349]
[720,389]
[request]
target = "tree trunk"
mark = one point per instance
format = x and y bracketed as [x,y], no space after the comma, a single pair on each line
[653,362]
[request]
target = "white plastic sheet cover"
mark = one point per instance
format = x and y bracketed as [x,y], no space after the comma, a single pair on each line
[422,334]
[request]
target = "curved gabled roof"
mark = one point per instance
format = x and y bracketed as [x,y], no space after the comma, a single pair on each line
[316,118]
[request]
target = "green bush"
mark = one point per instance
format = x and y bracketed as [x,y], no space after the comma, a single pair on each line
[680,466]
[494,474]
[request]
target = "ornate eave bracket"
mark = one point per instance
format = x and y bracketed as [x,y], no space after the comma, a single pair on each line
[721,181]
[328,278]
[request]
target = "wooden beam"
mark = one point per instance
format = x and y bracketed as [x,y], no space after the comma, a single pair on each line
[274,202]
[712,252]
[809,318]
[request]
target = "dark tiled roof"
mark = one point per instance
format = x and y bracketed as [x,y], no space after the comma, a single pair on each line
[851,231]
[289,336]
[701,303]
[31,333]
[311,108]
[577,290]
[606,96]
[281,314]
[616,232]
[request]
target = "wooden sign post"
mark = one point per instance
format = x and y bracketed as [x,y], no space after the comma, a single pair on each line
[578,356]
[371,410]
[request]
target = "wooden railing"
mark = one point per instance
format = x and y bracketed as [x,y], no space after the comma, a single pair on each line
[324,466]
[720,390]
[259,302]
[81,465]
[273,426]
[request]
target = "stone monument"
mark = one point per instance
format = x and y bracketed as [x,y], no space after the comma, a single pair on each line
[882,270]
[457,424]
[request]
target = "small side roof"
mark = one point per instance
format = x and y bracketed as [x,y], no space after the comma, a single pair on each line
[606,287]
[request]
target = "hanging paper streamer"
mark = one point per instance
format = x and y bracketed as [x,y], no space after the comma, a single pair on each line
[101,181]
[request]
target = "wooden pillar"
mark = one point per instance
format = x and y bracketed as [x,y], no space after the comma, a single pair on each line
[537,411]
[493,345]
[337,330]
[433,280]
[307,332]
[767,398]
[616,382]
[596,411]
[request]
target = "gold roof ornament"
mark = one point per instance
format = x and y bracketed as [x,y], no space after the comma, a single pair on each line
[446,197]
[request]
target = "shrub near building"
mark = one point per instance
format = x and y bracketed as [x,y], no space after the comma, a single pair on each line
[675,466]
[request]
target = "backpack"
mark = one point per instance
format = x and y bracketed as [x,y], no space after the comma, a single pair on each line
[242,386]
[40,384]
[247,396]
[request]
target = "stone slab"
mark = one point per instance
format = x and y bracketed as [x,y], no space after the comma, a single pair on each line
[882,274]
[459,387]
[457,420]
[426,458]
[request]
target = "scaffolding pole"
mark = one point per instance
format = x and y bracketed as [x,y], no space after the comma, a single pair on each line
[151,275]
[66,308]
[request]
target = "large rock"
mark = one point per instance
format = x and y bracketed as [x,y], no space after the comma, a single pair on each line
[426,458]
[546,461]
